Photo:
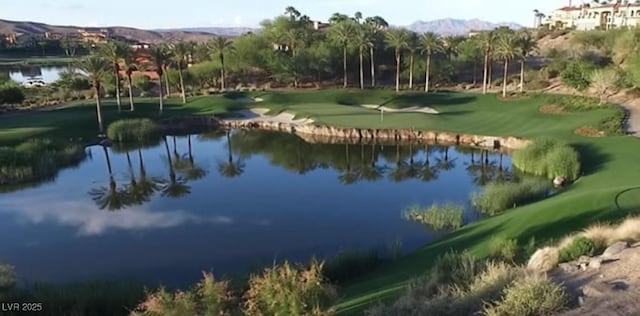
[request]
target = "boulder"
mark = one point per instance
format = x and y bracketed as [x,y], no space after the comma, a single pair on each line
[615,249]
[543,260]
[559,181]
[595,263]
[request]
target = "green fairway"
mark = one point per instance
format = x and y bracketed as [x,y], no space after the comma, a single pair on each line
[36,60]
[608,190]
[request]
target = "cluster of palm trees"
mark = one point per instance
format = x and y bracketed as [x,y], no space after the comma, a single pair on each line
[116,57]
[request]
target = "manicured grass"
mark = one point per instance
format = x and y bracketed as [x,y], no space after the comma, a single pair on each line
[609,164]
[11,60]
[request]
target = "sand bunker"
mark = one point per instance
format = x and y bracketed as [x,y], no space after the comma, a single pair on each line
[260,115]
[412,109]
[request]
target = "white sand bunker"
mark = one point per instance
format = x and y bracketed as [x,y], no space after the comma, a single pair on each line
[249,100]
[411,109]
[260,115]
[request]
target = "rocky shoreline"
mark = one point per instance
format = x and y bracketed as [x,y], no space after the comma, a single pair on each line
[314,133]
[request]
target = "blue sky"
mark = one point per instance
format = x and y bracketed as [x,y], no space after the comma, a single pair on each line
[186,13]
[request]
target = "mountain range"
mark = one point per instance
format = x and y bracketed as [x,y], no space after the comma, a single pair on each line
[442,27]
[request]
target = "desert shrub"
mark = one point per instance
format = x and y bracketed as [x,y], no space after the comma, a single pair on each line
[577,75]
[454,269]
[500,196]
[438,217]
[503,249]
[290,290]
[7,277]
[573,103]
[11,93]
[144,83]
[581,246]
[612,124]
[209,297]
[537,159]
[132,130]
[533,296]
[348,263]
[538,84]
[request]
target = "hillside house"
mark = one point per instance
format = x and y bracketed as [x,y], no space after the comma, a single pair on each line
[595,15]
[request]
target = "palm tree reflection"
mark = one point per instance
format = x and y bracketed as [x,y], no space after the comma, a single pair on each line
[231,168]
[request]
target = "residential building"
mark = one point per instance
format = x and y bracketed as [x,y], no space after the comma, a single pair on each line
[595,15]
[94,35]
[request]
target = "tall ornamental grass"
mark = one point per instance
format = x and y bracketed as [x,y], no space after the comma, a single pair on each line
[438,217]
[500,196]
[132,131]
[548,158]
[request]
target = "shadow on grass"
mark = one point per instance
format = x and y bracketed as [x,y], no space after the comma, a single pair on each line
[422,99]
[592,159]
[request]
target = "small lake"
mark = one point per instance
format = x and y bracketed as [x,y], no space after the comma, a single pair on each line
[229,204]
[24,73]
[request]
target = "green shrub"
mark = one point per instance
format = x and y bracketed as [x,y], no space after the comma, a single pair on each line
[144,83]
[577,75]
[348,263]
[572,103]
[503,249]
[532,296]
[612,124]
[7,277]
[549,158]
[133,131]
[10,93]
[290,290]
[209,297]
[580,246]
[438,217]
[500,196]
[454,269]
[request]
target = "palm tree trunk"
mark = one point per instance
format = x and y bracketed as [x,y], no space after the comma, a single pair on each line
[184,95]
[161,96]
[344,66]
[229,150]
[411,72]
[361,70]
[132,107]
[490,83]
[96,86]
[504,79]
[142,170]
[486,72]
[373,68]
[166,83]
[108,159]
[522,75]
[475,71]
[222,85]
[117,73]
[427,73]
[397,71]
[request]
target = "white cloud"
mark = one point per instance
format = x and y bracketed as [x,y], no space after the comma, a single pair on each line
[89,220]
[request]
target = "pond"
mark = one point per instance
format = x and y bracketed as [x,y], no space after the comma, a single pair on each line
[24,73]
[229,203]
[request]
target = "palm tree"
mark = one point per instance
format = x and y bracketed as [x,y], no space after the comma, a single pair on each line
[450,45]
[487,41]
[181,52]
[362,41]
[342,33]
[221,46]
[113,52]
[430,44]
[527,44]
[375,25]
[130,65]
[159,57]
[397,38]
[96,67]
[413,45]
[507,49]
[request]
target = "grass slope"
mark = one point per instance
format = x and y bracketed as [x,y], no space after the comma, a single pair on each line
[608,189]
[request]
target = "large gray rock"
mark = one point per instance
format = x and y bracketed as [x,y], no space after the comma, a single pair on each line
[615,249]
[543,260]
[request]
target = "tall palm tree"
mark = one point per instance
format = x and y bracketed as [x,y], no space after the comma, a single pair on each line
[96,67]
[430,44]
[130,65]
[221,46]
[451,45]
[362,41]
[159,58]
[397,38]
[342,33]
[527,44]
[113,52]
[180,55]
[413,46]
[507,50]
[375,25]
[487,41]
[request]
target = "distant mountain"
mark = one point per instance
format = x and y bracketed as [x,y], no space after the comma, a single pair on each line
[37,29]
[219,31]
[456,26]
